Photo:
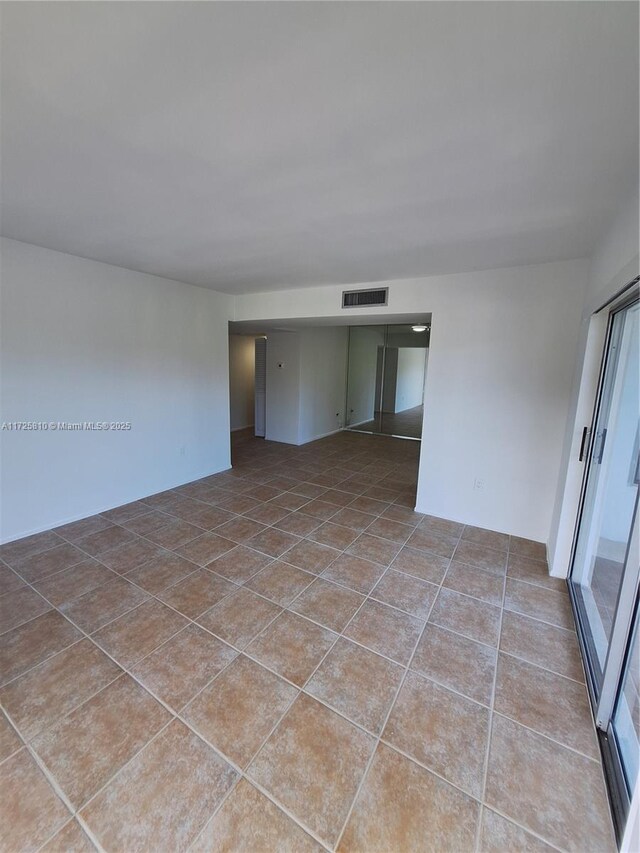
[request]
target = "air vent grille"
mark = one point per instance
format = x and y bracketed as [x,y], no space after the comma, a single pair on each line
[365,298]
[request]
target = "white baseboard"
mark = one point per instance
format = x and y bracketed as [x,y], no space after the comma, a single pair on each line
[248,426]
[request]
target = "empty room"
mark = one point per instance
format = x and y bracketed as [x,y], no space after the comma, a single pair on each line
[319,426]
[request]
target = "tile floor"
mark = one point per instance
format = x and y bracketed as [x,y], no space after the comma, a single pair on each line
[287,657]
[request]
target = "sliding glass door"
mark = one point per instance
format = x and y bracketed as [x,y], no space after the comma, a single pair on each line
[606,560]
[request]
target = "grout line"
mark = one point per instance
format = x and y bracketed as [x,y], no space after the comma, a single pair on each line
[487,753]
[386,719]
[300,690]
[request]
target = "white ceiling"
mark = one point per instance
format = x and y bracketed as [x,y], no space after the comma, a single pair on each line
[254,146]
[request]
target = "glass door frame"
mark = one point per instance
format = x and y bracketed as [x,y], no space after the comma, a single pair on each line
[604,683]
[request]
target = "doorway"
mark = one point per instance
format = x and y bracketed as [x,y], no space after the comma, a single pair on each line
[385,379]
[605,569]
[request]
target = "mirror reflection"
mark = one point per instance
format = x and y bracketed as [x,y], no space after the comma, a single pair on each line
[386,375]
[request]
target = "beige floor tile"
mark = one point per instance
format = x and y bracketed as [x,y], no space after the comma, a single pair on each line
[163,798]
[290,501]
[273,542]
[313,764]
[103,540]
[239,504]
[374,548]
[320,509]
[307,490]
[125,512]
[467,616]
[248,822]
[385,630]
[387,528]
[456,662]
[94,609]
[421,564]
[527,548]
[311,556]
[34,642]
[183,665]
[334,535]
[161,572]
[206,548]
[499,835]
[435,542]
[442,730]
[137,633]
[265,492]
[149,522]
[77,529]
[298,523]
[10,742]
[402,807]
[9,580]
[406,592]
[442,526]
[238,710]
[20,606]
[129,556]
[174,534]
[560,795]
[353,518]
[70,839]
[545,645]
[486,538]
[539,603]
[197,592]
[280,582]
[239,617]
[355,572]
[87,747]
[71,583]
[42,565]
[337,497]
[240,529]
[480,556]
[357,683]
[292,647]
[55,687]
[11,552]
[267,514]
[369,505]
[328,603]
[533,571]
[403,514]
[548,703]
[473,581]
[30,811]
[239,564]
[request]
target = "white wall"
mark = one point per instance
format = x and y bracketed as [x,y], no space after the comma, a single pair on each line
[323,371]
[283,387]
[242,369]
[614,263]
[501,360]
[410,378]
[363,355]
[85,341]
[305,397]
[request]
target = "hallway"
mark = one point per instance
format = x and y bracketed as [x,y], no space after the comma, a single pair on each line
[286,656]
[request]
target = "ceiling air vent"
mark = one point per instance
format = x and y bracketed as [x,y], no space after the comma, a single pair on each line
[365,298]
